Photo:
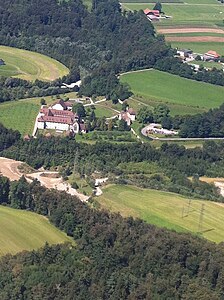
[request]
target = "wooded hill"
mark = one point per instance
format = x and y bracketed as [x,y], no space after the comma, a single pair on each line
[94,44]
[115,258]
[104,40]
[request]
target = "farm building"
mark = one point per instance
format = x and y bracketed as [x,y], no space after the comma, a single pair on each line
[185,53]
[152,15]
[128,116]
[211,55]
[151,12]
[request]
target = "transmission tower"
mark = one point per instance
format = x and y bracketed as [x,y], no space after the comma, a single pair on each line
[188,206]
[182,212]
[201,218]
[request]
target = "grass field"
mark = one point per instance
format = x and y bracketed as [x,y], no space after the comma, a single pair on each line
[208,64]
[30,65]
[136,102]
[165,210]
[161,86]
[20,115]
[23,230]
[103,111]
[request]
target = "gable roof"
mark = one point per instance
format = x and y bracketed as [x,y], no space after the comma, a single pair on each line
[61,102]
[56,116]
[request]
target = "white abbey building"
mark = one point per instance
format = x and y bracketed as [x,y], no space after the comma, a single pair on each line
[58,117]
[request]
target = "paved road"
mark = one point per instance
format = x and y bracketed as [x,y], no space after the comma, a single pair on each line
[145,129]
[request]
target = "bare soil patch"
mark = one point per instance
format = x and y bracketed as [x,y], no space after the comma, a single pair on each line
[189,29]
[202,39]
[9,168]
[51,180]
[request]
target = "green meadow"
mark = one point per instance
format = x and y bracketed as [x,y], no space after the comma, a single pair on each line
[23,230]
[160,86]
[198,47]
[30,65]
[165,210]
[103,111]
[20,115]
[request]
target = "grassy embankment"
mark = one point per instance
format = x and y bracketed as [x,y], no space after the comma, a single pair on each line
[165,210]
[30,65]
[23,230]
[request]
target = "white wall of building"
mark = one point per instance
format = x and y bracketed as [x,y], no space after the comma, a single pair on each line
[57,126]
[40,125]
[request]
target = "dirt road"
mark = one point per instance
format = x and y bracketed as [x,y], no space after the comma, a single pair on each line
[202,39]
[189,30]
[9,168]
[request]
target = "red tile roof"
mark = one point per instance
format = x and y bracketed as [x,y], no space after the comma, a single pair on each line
[66,120]
[213,53]
[57,116]
[151,11]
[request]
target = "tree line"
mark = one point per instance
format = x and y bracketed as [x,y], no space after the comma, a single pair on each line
[176,163]
[203,125]
[175,66]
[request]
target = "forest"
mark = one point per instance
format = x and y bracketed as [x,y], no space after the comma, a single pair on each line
[208,124]
[95,45]
[114,258]
[203,125]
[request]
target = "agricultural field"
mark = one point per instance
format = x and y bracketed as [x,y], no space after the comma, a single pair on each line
[199,47]
[200,20]
[20,115]
[160,86]
[30,65]
[136,102]
[106,136]
[23,230]
[166,210]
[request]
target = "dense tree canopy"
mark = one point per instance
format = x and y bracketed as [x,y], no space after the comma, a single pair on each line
[114,258]
[85,41]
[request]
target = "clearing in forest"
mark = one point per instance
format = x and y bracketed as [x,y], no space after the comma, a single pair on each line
[165,209]
[30,65]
